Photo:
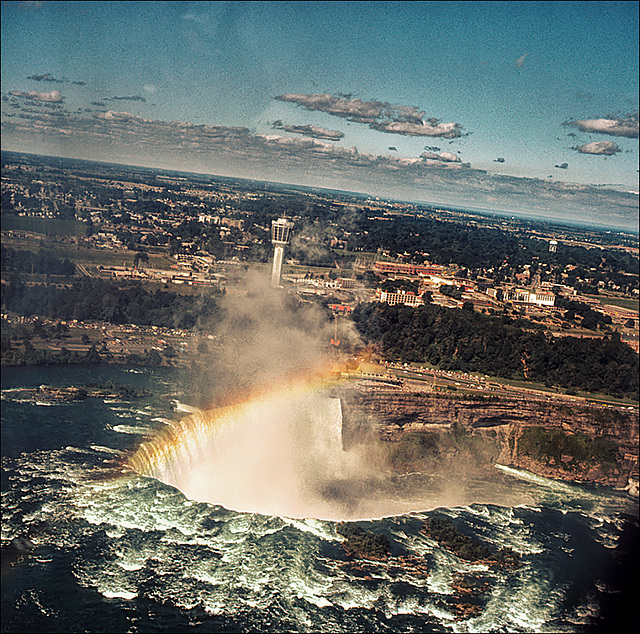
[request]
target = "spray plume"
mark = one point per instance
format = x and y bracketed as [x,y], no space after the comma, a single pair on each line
[275,446]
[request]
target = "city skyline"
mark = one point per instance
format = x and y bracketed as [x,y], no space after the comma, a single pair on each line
[493,106]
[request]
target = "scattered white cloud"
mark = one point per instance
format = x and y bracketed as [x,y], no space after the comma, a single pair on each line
[614,126]
[434,176]
[378,115]
[52,96]
[605,148]
[310,130]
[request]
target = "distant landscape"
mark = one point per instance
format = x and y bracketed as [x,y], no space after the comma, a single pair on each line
[97,257]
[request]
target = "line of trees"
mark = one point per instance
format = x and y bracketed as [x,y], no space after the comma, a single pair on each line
[466,341]
[41,262]
[91,299]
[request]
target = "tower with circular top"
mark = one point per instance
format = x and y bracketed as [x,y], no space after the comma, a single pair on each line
[280,236]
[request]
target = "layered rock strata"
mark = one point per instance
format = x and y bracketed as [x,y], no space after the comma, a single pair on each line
[502,423]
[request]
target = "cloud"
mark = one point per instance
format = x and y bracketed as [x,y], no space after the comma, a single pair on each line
[426,128]
[614,126]
[45,77]
[52,96]
[443,157]
[519,63]
[119,116]
[130,98]
[378,115]
[563,166]
[310,130]
[605,148]
[440,178]
[29,5]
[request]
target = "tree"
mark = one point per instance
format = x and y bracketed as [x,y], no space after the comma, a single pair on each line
[169,351]
[140,256]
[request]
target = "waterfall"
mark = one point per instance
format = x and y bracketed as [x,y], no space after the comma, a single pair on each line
[278,455]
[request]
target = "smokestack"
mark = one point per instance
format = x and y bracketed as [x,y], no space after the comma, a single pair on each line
[280,235]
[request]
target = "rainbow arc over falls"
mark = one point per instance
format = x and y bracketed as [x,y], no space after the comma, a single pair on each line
[276,451]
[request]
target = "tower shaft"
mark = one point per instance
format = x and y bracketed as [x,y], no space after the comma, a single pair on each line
[280,236]
[276,271]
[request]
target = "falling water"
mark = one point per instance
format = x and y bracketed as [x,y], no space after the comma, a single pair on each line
[279,454]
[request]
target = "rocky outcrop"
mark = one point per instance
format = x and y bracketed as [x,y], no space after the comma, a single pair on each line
[394,413]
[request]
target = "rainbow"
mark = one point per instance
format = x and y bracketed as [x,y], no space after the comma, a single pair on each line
[169,447]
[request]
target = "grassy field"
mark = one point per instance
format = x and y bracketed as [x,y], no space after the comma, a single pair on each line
[621,302]
[46,226]
[89,258]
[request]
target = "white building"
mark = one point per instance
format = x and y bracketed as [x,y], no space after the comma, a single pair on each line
[524,296]
[401,297]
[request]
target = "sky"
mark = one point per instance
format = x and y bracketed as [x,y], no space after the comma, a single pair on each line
[529,108]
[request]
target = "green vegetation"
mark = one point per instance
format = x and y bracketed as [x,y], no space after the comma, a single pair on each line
[422,449]
[591,319]
[41,262]
[554,444]
[28,355]
[46,226]
[362,543]
[622,302]
[475,247]
[445,532]
[472,342]
[90,299]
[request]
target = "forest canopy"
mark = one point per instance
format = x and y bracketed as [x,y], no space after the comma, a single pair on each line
[91,299]
[472,342]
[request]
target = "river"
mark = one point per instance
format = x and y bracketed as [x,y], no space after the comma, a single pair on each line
[91,546]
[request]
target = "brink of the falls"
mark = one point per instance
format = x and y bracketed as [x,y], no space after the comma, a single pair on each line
[275,456]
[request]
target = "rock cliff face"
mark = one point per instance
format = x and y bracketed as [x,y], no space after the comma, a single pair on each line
[502,423]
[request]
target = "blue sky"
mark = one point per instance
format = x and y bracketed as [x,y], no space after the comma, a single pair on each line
[530,107]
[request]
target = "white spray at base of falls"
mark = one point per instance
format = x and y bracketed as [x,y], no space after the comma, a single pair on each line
[282,454]
[276,456]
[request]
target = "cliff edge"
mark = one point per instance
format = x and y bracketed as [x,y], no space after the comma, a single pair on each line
[553,438]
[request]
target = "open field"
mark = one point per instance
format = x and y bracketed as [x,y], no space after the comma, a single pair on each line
[45,226]
[630,304]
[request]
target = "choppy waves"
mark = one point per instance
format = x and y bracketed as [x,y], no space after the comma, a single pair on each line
[88,545]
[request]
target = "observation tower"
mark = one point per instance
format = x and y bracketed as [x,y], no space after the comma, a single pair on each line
[280,235]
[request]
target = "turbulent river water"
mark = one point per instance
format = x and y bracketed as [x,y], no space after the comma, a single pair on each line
[89,546]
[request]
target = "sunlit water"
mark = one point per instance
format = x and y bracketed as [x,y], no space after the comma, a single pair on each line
[89,547]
